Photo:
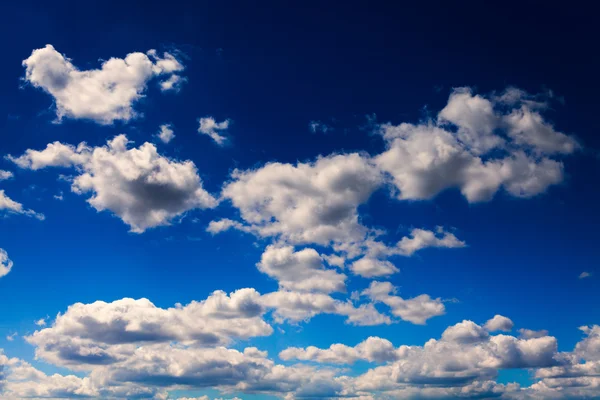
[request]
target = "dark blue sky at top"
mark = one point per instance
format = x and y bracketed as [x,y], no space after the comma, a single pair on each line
[271,68]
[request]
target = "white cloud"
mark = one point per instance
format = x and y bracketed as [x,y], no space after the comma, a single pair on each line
[104,333]
[302,306]
[499,323]
[301,270]
[165,133]
[6,263]
[371,267]
[104,95]
[5,175]
[421,239]
[140,186]
[428,158]
[319,127]
[306,203]
[584,275]
[41,322]
[208,126]
[531,334]
[10,206]
[416,310]
[174,83]
[11,337]
[373,349]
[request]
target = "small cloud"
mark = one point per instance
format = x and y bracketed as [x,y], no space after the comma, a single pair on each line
[165,133]
[208,126]
[319,127]
[41,322]
[4,175]
[12,337]
[59,196]
[584,275]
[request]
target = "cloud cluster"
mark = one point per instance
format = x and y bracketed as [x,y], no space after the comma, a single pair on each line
[140,186]
[103,95]
[477,145]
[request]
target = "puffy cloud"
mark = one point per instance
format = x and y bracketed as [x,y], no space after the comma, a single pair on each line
[208,126]
[41,322]
[306,203]
[6,263]
[427,158]
[104,95]
[165,133]
[4,175]
[373,349]
[10,206]
[104,333]
[416,310]
[589,347]
[421,239]
[140,186]
[300,271]
[371,267]
[302,306]
[531,334]
[499,323]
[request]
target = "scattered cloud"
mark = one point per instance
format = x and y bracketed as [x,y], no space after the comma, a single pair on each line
[41,322]
[499,323]
[6,263]
[165,133]
[10,206]
[585,274]
[140,186]
[319,127]
[103,95]
[5,175]
[208,126]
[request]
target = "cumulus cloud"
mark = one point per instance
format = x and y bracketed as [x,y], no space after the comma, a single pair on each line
[104,333]
[165,133]
[499,323]
[477,147]
[530,334]
[416,310]
[371,267]
[6,263]
[140,186]
[301,270]
[103,95]
[4,175]
[8,205]
[308,202]
[208,126]
[302,306]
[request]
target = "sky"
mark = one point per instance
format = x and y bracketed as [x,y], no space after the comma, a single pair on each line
[299,200]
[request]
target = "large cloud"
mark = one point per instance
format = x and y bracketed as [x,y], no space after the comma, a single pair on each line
[476,146]
[104,95]
[142,187]
[104,333]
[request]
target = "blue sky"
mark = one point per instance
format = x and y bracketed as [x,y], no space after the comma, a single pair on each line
[370,178]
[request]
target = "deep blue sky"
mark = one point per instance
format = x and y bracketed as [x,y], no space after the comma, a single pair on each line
[272,68]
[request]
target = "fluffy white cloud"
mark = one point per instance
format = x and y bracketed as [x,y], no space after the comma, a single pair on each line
[306,203]
[104,333]
[416,310]
[10,206]
[104,95]
[165,133]
[372,267]
[208,126]
[140,186]
[589,347]
[373,349]
[499,323]
[4,175]
[302,306]
[300,271]
[427,158]
[6,263]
